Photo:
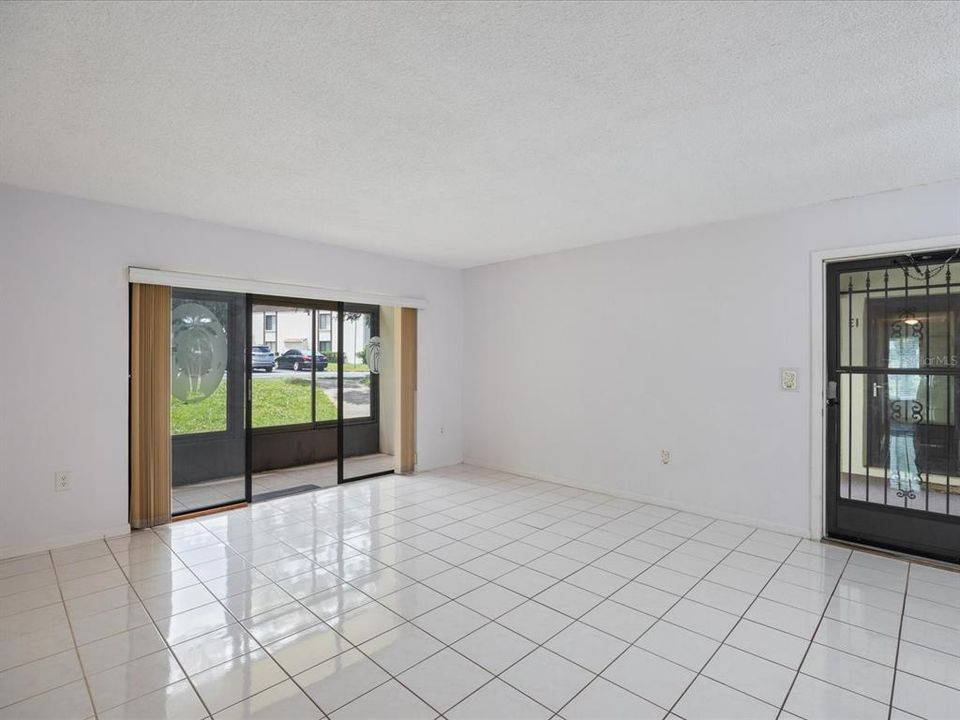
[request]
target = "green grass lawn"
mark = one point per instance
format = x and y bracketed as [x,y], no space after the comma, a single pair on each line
[275,402]
[347,367]
[207,415]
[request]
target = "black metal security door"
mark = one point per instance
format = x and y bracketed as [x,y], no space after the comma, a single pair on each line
[893,365]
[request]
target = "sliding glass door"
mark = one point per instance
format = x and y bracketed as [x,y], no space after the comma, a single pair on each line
[294,433]
[315,408]
[274,396]
[367,389]
[207,407]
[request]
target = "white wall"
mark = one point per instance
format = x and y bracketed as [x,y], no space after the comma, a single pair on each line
[63,261]
[678,341]
[578,366]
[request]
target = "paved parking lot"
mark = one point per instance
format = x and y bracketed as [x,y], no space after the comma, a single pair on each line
[324,374]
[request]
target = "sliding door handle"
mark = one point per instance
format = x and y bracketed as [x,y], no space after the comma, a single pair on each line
[833,393]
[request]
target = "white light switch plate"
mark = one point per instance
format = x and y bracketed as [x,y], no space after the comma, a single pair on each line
[790,379]
[61,481]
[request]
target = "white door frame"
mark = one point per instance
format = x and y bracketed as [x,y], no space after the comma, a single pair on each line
[818,364]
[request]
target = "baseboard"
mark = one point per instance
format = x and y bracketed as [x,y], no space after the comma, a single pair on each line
[60,541]
[436,465]
[650,499]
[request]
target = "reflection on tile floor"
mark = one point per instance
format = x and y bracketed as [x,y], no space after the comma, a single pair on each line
[464,593]
[231,490]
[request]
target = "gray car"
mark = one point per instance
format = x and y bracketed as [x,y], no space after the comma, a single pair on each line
[261,358]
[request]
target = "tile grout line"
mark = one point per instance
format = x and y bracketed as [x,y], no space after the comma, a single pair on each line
[169,648]
[55,584]
[542,645]
[823,613]
[470,489]
[896,659]
[658,619]
[668,552]
[730,632]
[239,622]
[535,530]
[795,548]
[699,672]
[489,621]
[449,646]
[321,620]
[855,655]
[76,651]
[515,519]
[236,621]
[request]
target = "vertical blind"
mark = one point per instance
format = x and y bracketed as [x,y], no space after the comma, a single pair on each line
[149,405]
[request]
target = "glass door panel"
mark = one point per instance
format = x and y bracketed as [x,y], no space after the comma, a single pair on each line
[281,371]
[294,435]
[273,396]
[207,413]
[367,390]
[325,402]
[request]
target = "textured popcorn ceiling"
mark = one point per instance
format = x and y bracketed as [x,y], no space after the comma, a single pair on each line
[469,133]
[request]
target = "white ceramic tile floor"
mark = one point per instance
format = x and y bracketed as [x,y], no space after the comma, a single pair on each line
[463,593]
[187,498]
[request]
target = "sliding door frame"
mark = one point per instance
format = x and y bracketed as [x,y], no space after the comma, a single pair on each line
[237,317]
[340,423]
[375,415]
[303,304]
[248,397]
[228,290]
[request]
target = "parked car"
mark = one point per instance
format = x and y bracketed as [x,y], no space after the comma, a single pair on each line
[261,358]
[301,360]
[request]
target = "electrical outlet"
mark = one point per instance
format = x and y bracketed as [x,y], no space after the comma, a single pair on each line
[61,481]
[665,457]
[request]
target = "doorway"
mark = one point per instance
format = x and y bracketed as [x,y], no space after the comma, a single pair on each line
[318,409]
[272,396]
[893,366]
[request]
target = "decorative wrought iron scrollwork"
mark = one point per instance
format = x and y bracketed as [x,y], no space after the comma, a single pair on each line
[896,411]
[917,411]
[908,325]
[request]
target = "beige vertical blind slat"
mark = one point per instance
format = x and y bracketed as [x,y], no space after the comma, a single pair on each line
[150,472]
[408,389]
